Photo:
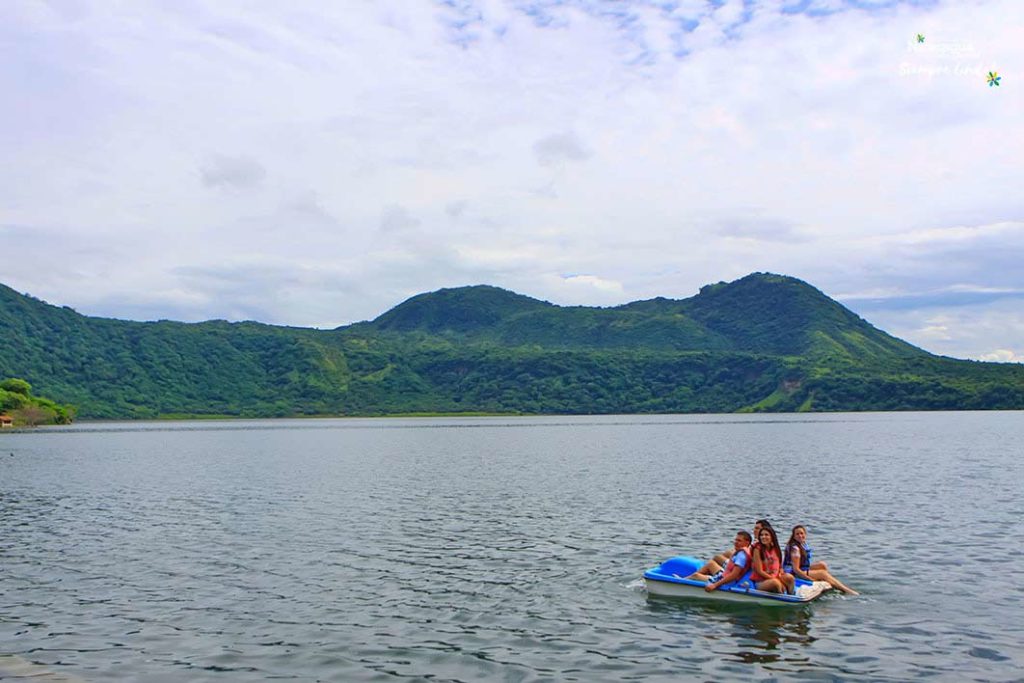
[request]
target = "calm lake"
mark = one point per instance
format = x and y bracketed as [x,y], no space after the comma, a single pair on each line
[505,548]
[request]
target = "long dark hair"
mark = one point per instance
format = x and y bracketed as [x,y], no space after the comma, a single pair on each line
[793,542]
[775,542]
[764,523]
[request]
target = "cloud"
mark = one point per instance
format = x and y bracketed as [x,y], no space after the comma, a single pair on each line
[960,331]
[952,265]
[232,173]
[242,289]
[1003,356]
[559,148]
[753,226]
[953,235]
[897,300]
[592,281]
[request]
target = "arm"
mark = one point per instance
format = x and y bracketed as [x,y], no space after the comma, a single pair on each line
[730,576]
[796,557]
[755,561]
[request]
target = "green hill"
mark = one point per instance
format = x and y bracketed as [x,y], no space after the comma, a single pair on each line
[459,311]
[764,313]
[764,342]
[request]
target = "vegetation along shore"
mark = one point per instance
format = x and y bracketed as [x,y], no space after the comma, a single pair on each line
[20,408]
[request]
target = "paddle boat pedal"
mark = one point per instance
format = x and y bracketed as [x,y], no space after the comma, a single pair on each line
[668,579]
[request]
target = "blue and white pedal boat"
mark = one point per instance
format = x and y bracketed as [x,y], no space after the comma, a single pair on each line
[668,579]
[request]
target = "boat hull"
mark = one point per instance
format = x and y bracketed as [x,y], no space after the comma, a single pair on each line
[668,580]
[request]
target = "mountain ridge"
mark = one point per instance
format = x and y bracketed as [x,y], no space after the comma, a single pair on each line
[699,322]
[762,342]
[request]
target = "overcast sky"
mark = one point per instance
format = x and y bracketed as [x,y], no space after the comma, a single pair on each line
[316,163]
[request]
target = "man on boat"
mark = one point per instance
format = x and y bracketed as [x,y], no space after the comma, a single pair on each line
[735,568]
[718,562]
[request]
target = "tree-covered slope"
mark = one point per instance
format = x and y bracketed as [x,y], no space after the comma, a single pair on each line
[114,368]
[484,314]
[457,311]
[764,342]
[765,313]
[760,313]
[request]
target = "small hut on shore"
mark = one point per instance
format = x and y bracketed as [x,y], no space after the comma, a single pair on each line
[6,421]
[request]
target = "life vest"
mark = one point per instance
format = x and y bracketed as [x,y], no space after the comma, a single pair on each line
[732,562]
[805,559]
[770,562]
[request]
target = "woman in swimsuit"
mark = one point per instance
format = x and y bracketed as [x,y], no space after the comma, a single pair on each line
[767,561]
[797,561]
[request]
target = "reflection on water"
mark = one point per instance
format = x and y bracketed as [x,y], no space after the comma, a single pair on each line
[747,633]
[19,669]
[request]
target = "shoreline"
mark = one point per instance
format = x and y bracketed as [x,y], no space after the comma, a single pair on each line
[745,415]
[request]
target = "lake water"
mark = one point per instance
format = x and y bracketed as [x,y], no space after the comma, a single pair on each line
[505,548]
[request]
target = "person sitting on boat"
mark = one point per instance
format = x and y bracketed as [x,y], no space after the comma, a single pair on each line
[797,561]
[758,525]
[767,563]
[718,562]
[737,565]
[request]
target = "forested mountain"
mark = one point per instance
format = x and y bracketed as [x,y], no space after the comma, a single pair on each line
[764,342]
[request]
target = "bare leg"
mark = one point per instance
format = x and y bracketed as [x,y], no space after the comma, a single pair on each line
[770,586]
[712,567]
[823,575]
[789,582]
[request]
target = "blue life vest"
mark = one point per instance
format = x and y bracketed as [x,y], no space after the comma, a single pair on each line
[805,559]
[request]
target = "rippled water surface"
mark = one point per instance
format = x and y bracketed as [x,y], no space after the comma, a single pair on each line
[505,548]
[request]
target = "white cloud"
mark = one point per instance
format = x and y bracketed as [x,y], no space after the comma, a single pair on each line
[935,329]
[873,293]
[384,149]
[981,289]
[592,281]
[951,234]
[1003,356]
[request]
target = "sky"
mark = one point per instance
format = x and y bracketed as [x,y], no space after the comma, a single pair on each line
[316,163]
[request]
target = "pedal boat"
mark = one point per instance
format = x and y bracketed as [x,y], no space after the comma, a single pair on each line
[668,579]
